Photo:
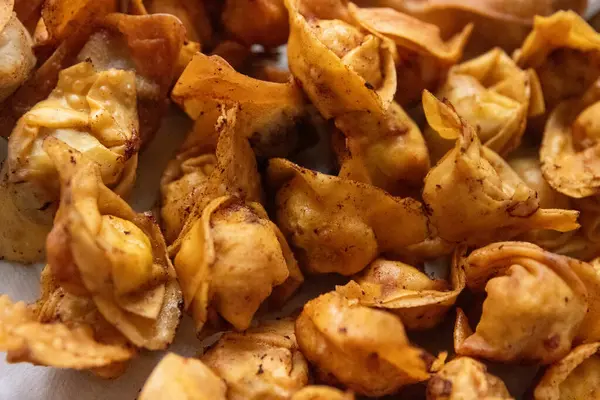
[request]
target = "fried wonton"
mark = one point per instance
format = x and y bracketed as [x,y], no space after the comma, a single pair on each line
[534,308]
[565,52]
[365,350]
[263,22]
[91,111]
[569,150]
[338,225]
[100,248]
[176,377]
[466,379]
[269,111]
[494,95]
[261,363]
[497,23]
[472,195]
[419,301]
[229,237]
[16,51]
[25,339]
[577,376]
[422,56]
[317,392]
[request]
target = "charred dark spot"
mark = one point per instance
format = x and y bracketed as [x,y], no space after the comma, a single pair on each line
[552,342]
[369,86]
[260,370]
[343,330]
[45,206]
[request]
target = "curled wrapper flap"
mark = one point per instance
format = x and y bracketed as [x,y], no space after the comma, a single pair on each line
[269,110]
[176,377]
[262,363]
[565,52]
[366,350]
[500,204]
[570,149]
[466,379]
[534,308]
[342,69]
[263,22]
[317,392]
[338,225]
[100,248]
[423,57]
[419,301]
[492,93]
[577,376]
[93,112]
[24,339]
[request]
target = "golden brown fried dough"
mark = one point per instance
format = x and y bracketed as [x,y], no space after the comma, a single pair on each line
[100,248]
[261,363]
[366,350]
[269,110]
[466,379]
[473,195]
[24,339]
[263,22]
[494,95]
[338,225]
[94,113]
[534,308]
[176,377]
[419,301]
[422,56]
[316,392]
[577,376]
[565,52]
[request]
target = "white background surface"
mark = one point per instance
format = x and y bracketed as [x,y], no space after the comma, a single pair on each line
[27,382]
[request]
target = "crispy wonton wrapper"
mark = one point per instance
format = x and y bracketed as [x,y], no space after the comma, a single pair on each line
[534,308]
[25,339]
[466,379]
[366,350]
[422,56]
[491,93]
[93,112]
[176,377]
[338,225]
[419,301]
[100,248]
[269,110]
[503,23]
[16,51]
[236,240]
[261,363]
[317,392]
[500,205]
[569,150]
[577,376]
[263,22]
[565,52]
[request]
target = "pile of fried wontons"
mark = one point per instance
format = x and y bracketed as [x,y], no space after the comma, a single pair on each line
[439,159]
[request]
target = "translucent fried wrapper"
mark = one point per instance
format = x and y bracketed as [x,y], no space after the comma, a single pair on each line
[535,306]
[577,376]
[176,377]
[269,111]
[422,56]
[569,150]
[497,23]
[100,248]
[317,392]
[261,363]
[419,301]
[500,205]
[25,339]
[235,237]
[16,51]
[565,52]
[366,350]
[93,112]
[339,225]
[466,379]
[263,22]
[491,93]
